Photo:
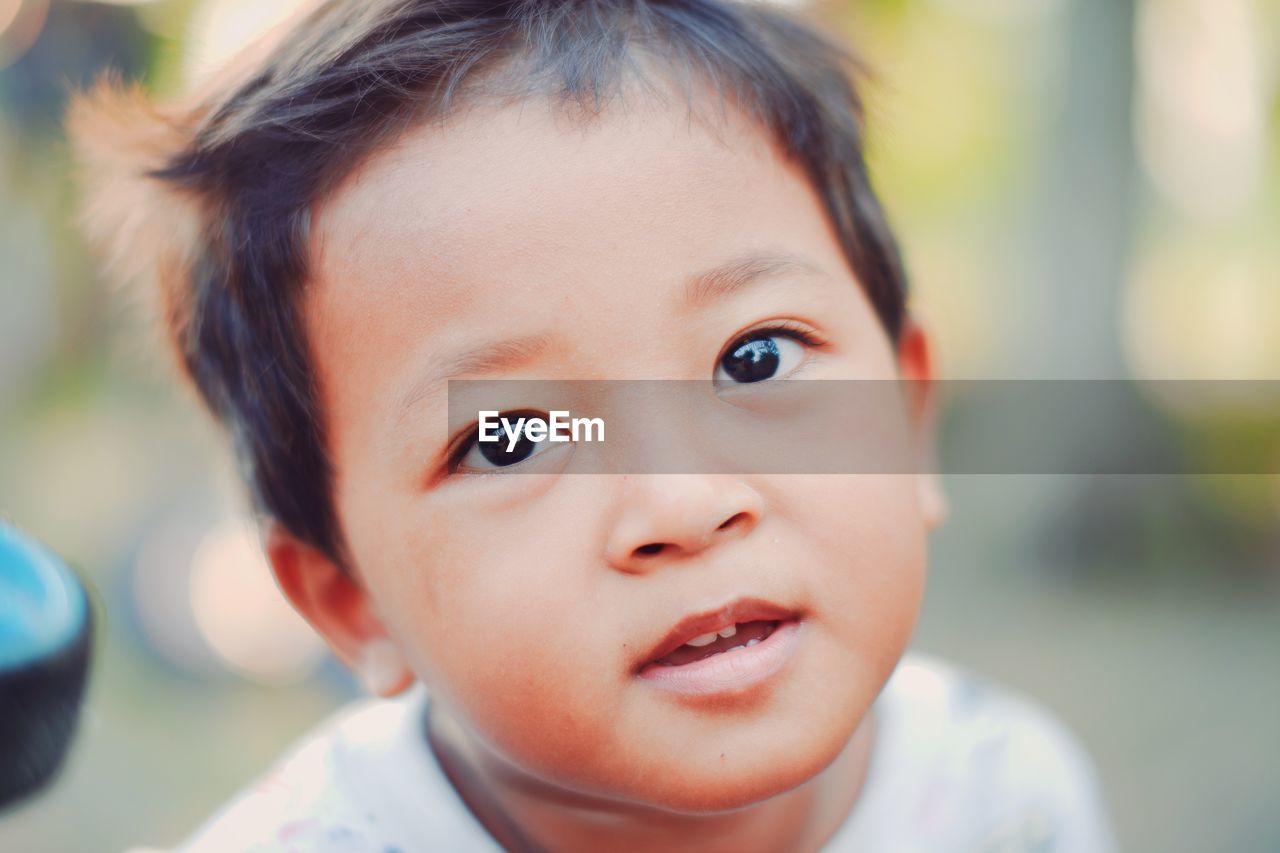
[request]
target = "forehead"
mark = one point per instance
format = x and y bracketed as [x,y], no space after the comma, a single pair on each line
[518,221]
[528,187]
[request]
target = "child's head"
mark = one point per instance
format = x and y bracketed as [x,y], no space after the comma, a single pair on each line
[408,191]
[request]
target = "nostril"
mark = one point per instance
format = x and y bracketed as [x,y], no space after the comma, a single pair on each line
[740,518]
[650,549]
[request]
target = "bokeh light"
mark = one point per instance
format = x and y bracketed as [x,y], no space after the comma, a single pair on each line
[1193,312]
[219,29]
[1201,103]
[20,25]
[242,614]
[162,596]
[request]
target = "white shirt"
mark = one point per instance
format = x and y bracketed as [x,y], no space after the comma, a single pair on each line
[957,766]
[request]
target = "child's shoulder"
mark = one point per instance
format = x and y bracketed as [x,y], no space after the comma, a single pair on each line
[962,764]
[363,780]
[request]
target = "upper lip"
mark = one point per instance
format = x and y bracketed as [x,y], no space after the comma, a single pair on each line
[695,624]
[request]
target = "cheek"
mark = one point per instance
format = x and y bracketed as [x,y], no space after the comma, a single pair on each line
[495,613]
[871,534]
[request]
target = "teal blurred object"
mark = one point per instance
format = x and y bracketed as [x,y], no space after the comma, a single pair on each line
[45,634]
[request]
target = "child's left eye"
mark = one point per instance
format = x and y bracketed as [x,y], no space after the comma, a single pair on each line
[762,354]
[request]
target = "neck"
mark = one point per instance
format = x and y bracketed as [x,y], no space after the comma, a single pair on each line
[527,814]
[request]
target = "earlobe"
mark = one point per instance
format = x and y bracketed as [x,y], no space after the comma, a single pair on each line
[337,606]
[382,669]
[933,500]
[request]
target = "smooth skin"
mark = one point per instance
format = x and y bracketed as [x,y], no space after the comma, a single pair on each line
[517,242]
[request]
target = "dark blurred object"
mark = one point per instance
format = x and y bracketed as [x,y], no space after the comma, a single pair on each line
[45,633]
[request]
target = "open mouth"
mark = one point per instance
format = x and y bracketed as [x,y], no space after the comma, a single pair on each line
[728,649]
[740,635]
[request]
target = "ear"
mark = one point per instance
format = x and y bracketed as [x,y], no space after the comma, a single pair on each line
[915,365]
[337,606]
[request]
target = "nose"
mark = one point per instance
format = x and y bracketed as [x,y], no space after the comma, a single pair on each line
[665,517]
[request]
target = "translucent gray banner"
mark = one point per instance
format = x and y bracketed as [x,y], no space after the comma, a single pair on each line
[868,427]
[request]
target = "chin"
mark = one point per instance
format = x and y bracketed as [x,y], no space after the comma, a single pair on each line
[706,783]
[720,764]
[718,796]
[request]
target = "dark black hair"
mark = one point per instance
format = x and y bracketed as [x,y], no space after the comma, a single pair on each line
[255,156]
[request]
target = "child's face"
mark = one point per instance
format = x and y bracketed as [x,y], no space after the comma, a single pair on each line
[529,604]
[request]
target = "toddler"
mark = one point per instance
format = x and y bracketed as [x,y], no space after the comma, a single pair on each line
[389,195]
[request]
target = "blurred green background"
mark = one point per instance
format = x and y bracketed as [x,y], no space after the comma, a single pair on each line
[1083,189]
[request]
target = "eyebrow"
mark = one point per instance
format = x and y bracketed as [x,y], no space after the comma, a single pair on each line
[737,273]
[718,282]
[489,357]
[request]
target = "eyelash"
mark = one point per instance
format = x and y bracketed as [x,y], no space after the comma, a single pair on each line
[462,444]
[784,328]
[460,448]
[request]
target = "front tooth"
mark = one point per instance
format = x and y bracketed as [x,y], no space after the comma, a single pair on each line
[728,632]
[703,639]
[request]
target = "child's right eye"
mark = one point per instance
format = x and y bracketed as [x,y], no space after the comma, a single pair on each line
[474,455]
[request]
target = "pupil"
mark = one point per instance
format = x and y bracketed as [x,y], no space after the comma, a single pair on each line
[497,453]
[752,360]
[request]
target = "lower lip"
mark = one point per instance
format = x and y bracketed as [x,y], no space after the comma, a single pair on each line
[735,670]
